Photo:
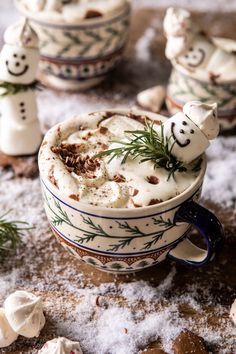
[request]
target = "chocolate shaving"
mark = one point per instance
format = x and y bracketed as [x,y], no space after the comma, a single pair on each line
[119,178]
[103,130]
[74,162]
[93,14]
[75,197]
[213,78]
[152,179]
[154,201]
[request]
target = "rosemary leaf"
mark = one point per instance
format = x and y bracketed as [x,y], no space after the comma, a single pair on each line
[149,145]
[10,233]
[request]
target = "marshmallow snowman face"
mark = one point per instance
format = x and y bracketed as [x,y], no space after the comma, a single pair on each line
[18,64]
[198,54]
[189,141]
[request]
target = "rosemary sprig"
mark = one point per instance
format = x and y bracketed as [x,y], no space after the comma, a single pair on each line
[9,89]
[149,145]
[10,233]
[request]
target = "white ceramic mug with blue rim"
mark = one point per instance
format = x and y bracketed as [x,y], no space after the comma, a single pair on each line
[122,240]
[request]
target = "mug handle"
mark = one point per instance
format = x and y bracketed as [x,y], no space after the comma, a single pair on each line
[209,227]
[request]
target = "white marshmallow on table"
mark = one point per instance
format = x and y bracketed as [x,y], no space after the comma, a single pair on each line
[61,345]
[233,312]
[19,127]
[152,98]
[7,335]
[24,312]
[191,130]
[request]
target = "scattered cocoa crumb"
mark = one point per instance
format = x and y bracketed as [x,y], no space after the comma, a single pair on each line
[75,197]
[104,146]
[93,14]
[134,192]
[213,77]
[119,178]
[189,343]
[52,177]
[59,131]
[134,204]
[154,201]
[125,330]
[103,130]
[22,166]
[152,179]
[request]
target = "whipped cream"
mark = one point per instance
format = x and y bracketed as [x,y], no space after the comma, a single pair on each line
[7,335]
[100,182]
[24,312]
[61,345]
[72,11]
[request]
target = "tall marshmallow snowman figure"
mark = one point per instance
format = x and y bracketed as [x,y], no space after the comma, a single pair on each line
[19,126]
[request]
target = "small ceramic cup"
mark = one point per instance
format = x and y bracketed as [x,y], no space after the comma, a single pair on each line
[184,86]
[128,240]
[78,56]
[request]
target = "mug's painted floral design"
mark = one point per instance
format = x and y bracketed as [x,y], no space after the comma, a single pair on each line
[79,56]
[120,245]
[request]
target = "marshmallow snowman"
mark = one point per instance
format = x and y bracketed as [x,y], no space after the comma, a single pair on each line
[189,131]
[19,127]
[187,46]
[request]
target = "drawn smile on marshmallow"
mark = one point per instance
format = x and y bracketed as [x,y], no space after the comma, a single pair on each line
[195,57]
[182,131]
[17,64]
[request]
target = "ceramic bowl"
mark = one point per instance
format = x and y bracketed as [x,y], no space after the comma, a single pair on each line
[127,240]
[184,87]
[79,56]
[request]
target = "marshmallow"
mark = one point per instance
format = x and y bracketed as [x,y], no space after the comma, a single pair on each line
[176,22]
[194,51]
[34,5]
[190,130]
[20,131]
[189,142]
[7,335]
[24,312]
[204,116]
[20,55]
[61,345]
[233,312]
[152,98]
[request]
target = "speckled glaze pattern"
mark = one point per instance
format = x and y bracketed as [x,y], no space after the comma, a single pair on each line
[183,88]
[78,56]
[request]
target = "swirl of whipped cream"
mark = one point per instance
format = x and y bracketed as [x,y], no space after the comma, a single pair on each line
[61,345]
[24,312]
[7,335]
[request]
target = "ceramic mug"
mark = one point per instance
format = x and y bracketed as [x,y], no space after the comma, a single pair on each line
[184,86]
[78,56]
[126,240]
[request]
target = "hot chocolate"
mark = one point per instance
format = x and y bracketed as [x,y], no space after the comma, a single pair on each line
[77,167]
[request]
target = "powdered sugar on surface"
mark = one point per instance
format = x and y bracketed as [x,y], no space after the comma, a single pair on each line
[107,313]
